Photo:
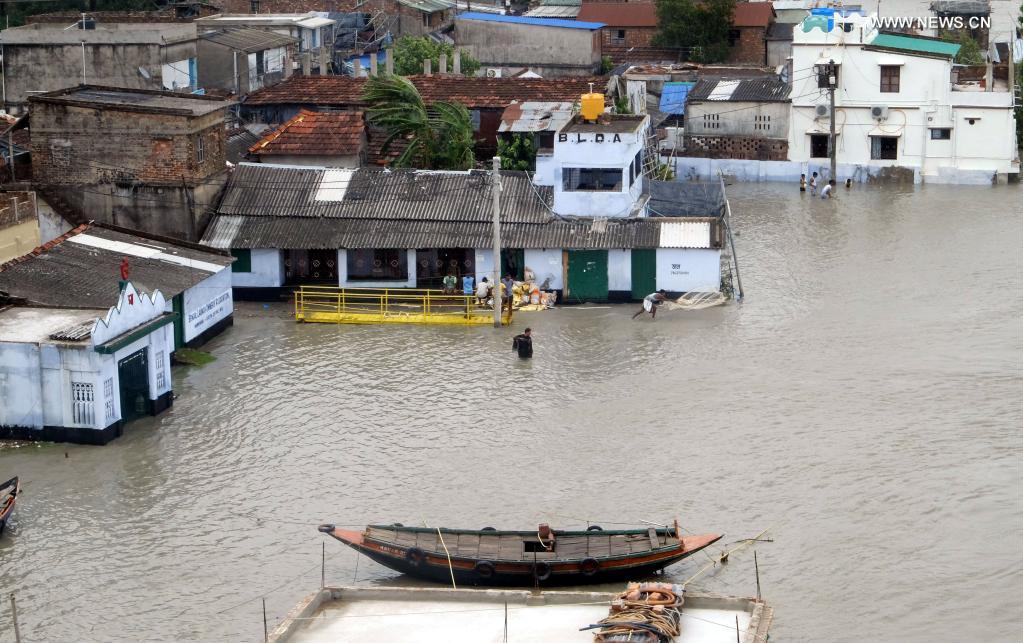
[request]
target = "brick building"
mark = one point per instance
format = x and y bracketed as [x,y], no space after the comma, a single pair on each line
[147,160]
[744,118]
[748,35]
[629,29]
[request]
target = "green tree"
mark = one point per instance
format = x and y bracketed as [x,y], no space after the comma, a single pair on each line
[699,27]
[436,137]
[410,52]
[970,52]
[517,152]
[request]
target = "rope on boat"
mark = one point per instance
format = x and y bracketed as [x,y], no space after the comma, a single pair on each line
[643,613]
[450,566]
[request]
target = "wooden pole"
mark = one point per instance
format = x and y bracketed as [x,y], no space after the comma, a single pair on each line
[756,567]
[323,567]
[737,629]
[496,188]
[14,617]
[266,633]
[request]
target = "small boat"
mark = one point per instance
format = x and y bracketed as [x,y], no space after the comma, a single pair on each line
[523,558]
[8,494]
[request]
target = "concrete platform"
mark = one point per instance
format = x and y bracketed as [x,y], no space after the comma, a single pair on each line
[365,614]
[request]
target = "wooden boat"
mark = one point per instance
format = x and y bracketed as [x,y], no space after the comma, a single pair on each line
[523,558]
[8,494]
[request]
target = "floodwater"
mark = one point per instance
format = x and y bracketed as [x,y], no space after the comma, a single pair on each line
[863,403]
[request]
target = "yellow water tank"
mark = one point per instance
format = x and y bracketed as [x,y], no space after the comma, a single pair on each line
[592,106]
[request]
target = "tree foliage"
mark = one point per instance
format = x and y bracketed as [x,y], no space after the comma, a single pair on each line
[410,52]
[517,152]
[438,136]
[970,52]
[699,27]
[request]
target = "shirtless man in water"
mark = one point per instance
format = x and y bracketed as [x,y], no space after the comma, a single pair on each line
[651,302]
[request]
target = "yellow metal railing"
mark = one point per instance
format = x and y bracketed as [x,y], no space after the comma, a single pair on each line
[330,304]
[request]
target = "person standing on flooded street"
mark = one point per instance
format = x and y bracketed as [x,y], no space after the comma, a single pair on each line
[651,302]
[523,343]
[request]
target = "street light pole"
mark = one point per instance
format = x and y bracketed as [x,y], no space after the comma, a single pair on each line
[832,82]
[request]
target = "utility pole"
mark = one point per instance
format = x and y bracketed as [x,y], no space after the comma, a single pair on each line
[496,189]
[832,82]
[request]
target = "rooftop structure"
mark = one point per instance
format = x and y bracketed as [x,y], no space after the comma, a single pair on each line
[328,135]
[536,22]
[134,100]
[752,14]
[758,90]
[108,33]
[248,40]
[536,116]
[309,20]
[620,14]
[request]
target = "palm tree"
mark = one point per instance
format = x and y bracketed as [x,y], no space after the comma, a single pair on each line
[438,136]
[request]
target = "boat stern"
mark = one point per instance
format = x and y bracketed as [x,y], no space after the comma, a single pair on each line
[692,544]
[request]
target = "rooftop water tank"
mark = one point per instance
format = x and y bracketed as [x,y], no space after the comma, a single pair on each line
[592,106]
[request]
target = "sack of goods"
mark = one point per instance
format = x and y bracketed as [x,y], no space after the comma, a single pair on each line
[643,613]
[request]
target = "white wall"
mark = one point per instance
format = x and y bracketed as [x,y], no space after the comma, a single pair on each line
[206,303]
[21,401]
[546,265]
[485,264]
[267,270]
[688,270]
[619,270]
[342,273]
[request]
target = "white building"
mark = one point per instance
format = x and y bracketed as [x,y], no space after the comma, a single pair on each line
[897,108]
[78,375]
[82,269]
[313,31]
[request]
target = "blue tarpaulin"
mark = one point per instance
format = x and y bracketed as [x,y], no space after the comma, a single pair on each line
[673,97]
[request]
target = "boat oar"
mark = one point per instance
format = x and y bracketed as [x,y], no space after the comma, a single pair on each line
[724,556]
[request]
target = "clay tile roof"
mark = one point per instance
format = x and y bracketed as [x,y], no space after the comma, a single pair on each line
[311,90]
[752,14]
[475,92]
[287,6]
[315,133]
[620,14]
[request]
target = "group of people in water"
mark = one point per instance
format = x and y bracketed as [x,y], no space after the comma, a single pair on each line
[826,192]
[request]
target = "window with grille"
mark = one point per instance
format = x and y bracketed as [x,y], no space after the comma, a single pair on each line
[592,179]
[941,134]
[712,121]
[108,398]
[161,376]
[762,122]
[200,148]
[618,37]
[83,410]
[890,79]
[884,148]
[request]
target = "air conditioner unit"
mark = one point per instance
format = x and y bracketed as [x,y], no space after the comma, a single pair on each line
[821,111]
[493,72]
[879,112]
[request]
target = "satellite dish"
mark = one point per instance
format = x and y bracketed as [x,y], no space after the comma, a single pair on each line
[144,73]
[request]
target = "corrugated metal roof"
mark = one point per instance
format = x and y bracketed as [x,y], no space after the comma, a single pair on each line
[535,116]
[961,7]
[258,189]
[911,44]
[554,11]
[428,6]
[685,199]
[248,40]
[536,22]
[82,269]
[286,233]
[673,97]
[747,90]
[685,234]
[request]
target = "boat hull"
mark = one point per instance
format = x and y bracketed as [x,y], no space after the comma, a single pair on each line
[436,567]
[8,495]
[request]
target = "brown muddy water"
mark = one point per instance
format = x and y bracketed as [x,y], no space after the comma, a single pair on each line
[863,402]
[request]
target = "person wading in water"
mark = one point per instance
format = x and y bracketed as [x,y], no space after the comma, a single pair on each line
[524,343]
[651,302]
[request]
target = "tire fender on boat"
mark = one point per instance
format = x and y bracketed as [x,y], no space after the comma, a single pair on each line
[484,569]
[594,528]
[541,570]
[589,566]
[415,556]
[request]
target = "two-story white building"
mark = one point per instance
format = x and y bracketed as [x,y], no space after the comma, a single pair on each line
[897,109]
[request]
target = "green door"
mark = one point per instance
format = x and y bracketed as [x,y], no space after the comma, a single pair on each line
[644,272]
[178,303]
[133,378]
[513,262]
[587,275]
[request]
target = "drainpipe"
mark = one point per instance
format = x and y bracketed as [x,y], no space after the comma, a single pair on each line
[236,88]
[83,62]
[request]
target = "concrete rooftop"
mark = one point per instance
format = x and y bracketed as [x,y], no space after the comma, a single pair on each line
[35,325]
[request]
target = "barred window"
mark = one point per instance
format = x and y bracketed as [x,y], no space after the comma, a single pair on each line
[82,404]
[161,377]
[200,148]
[108,398]
[592,179]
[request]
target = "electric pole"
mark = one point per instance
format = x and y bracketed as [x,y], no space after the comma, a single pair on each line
[496,189]
[832,82]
